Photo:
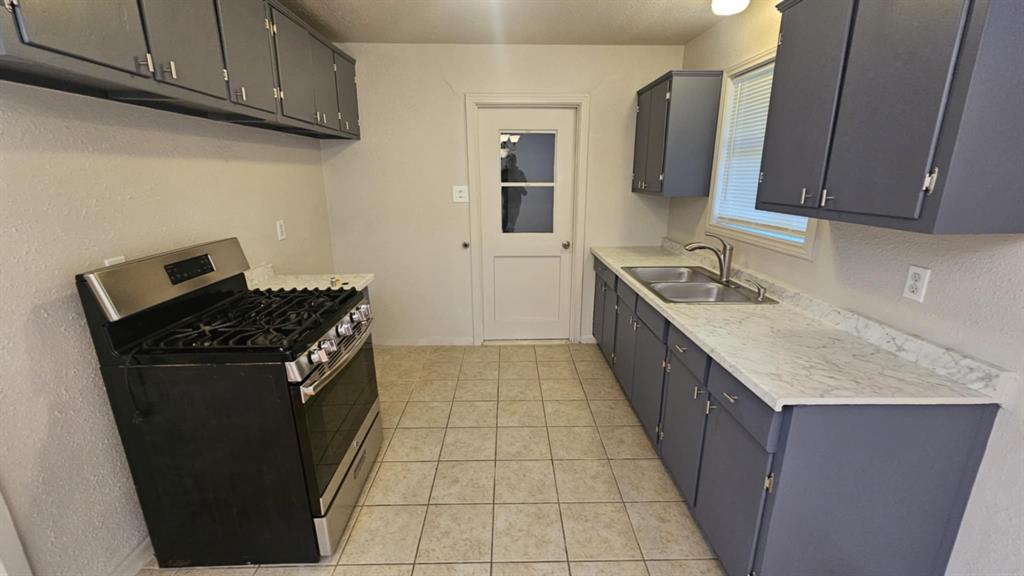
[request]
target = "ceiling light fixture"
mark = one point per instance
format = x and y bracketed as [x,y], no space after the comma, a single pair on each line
[728,7]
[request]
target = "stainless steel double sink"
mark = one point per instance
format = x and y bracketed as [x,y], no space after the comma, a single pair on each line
[693,284]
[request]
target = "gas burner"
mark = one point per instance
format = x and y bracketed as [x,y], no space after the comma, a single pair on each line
[256,320]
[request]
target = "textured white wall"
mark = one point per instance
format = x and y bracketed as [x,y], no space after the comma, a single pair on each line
[974,304]
[390,194]
[83,179]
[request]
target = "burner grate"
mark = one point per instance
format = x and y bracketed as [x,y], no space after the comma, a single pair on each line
[257,320]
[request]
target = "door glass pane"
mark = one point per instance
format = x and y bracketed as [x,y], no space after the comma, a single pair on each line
[527,208]
[527,157]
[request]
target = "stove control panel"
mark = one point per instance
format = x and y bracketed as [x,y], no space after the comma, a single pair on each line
[183,270]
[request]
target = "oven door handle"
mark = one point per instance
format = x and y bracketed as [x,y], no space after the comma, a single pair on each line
[307,391]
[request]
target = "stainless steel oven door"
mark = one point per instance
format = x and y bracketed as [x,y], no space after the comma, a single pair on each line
[336,406]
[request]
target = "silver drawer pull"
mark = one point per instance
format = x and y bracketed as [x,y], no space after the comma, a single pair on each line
[681,349]
[730,398]
[697,392]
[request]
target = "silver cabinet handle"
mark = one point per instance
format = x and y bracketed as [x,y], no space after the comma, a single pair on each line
[170,68]
[697,392]
[681,349]
[825,197]
[708,407]
[244,98]
[803,195]
[732,399]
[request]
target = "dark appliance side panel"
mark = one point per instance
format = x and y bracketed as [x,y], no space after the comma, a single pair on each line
[215,461]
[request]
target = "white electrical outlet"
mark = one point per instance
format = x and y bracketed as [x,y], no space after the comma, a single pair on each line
[282,232]
[917,283]
[114,260]
[460,194]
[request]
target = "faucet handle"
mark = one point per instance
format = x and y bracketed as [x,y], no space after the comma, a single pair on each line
[761,290]
[725,245]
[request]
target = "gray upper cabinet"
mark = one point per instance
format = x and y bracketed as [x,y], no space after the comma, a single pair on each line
[894,95]
[808,66]
[108,33]
[925,136]
[295,69]
[345,75]
[676,121]
[325,86]
[250,62]
[184,38]
[246,31]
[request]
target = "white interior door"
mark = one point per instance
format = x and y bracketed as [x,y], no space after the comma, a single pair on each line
[527,160]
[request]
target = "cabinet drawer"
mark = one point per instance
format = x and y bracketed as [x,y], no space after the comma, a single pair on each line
[754,415]
[692,356]
[604,274]
[653,319]
[627,294]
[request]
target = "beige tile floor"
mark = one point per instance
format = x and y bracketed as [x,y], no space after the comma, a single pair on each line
[508,461]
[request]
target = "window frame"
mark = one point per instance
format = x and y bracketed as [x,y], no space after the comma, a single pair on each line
[712,224]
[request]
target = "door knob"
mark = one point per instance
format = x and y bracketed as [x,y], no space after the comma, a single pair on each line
[566,244]
[465,244]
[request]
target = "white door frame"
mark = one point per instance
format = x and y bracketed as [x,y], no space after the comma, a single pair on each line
[580,104]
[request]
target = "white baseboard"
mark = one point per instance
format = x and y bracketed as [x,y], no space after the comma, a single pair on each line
[136,560]
[588,340]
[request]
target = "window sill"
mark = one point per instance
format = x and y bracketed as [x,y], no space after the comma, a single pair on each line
[804,251]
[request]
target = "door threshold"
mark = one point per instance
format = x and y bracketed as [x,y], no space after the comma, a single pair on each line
[547,342]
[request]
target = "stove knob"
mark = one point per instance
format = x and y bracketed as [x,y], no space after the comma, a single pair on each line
[357,316]
[329,345]
[318,356]
[345,328]
[364,309]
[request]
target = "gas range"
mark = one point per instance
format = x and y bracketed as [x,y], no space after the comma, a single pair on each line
[249,418]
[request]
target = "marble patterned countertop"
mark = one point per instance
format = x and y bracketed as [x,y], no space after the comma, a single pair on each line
[264,277]
[787,356]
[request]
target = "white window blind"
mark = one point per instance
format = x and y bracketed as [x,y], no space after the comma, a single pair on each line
[739,162]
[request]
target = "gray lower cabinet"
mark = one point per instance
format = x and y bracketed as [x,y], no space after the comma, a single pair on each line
[733,469]
[245,27]
[108,33]
[682,428]
[325,86]
[923,137]
[625,345]
[843,490]
[345,76]
[598,321]
[676,121]
[648,376]
[184,39]
[610,317]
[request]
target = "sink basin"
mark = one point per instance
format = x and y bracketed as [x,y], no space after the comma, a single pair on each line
[706,292]
[652,274]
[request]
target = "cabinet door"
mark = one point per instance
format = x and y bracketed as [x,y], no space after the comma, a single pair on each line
[731,490]
[608,325]
[643,114]
[625,347]
[345,74]
[683,428]
[184,37]
[657,129]
[294,69]
[324,85]
[108,33]
[599,288]
[805,89]
[246,32]
[900,63]
[648,377]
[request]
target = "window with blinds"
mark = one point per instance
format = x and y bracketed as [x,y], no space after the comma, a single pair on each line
[739,162]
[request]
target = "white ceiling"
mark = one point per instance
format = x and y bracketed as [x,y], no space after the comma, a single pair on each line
[662,22]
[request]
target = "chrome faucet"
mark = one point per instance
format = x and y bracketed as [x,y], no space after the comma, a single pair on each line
[724,256]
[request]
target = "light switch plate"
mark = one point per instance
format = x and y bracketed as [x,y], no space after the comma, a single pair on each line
[460,194]
[113,260]
[282,232]
[917,283]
